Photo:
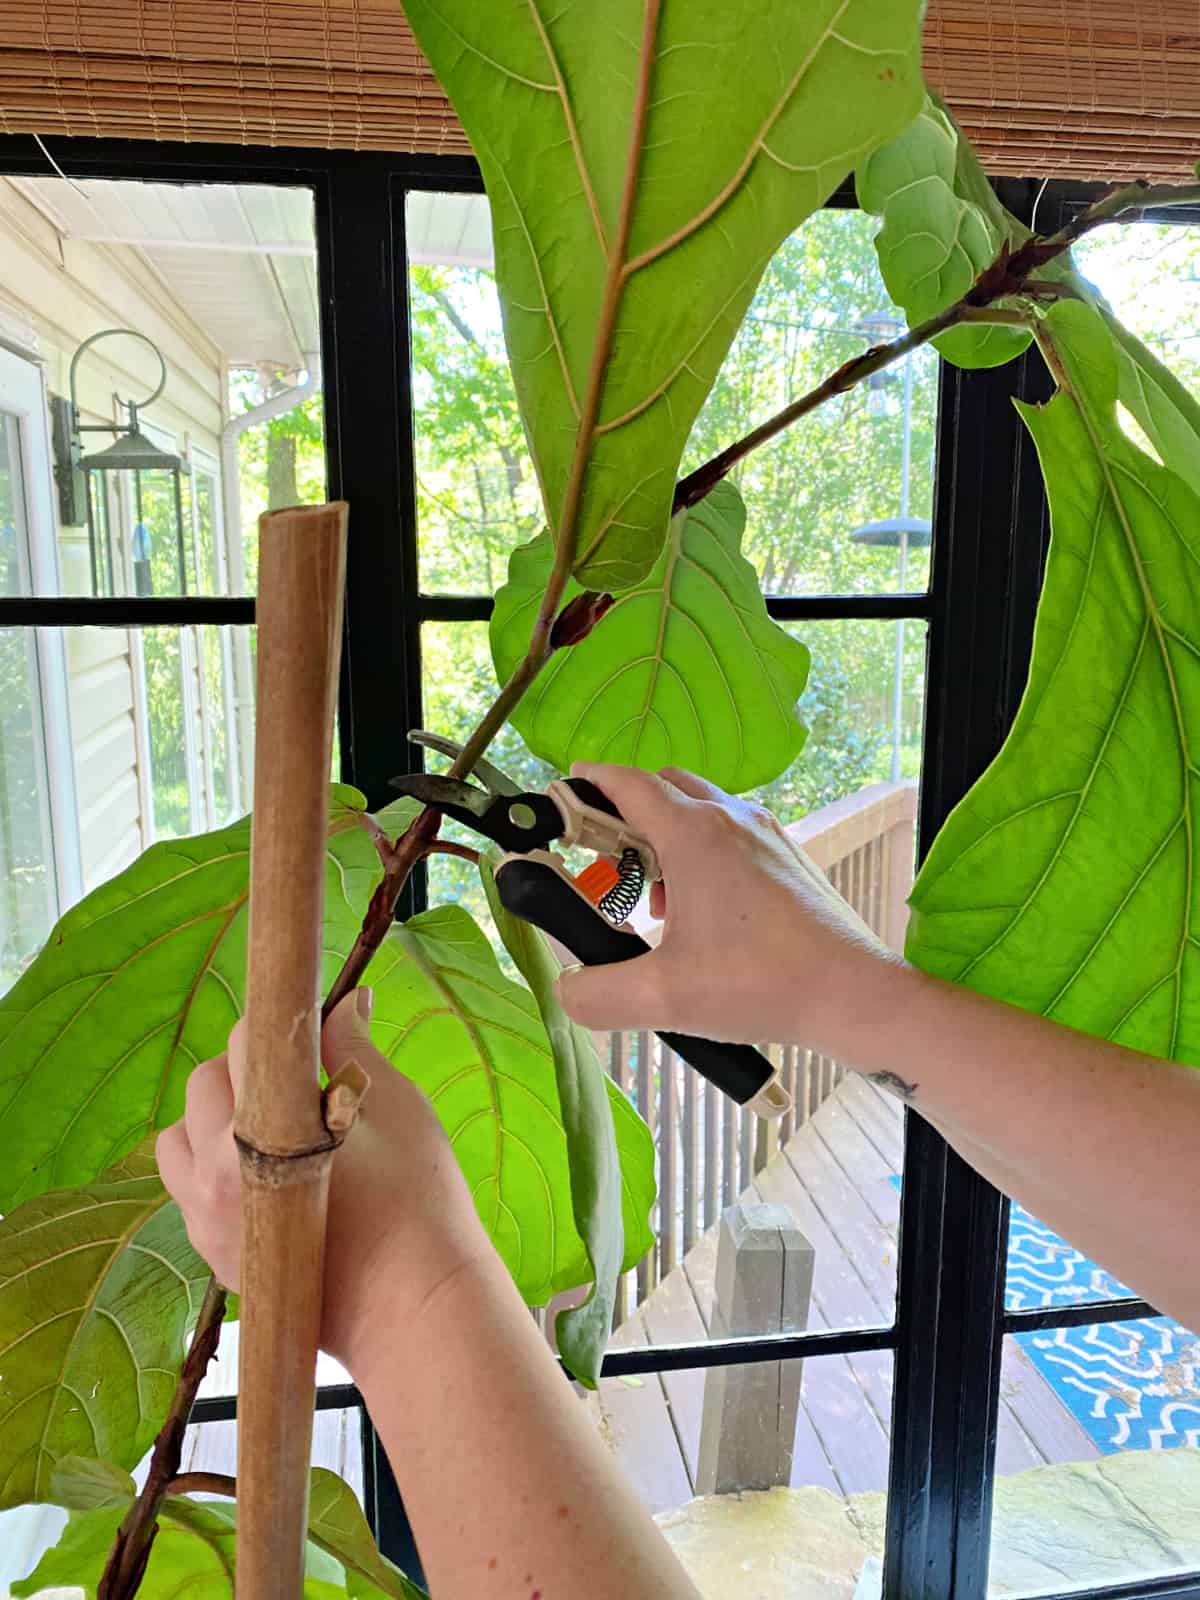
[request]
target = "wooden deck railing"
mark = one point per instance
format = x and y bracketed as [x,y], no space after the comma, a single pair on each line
[708,1149]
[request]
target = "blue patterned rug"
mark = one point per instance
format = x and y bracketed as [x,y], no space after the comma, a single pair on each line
[1129,1385]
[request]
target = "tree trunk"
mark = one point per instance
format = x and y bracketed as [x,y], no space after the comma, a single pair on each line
[282,489]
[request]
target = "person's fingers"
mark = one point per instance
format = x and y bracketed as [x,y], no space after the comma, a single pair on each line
[694,786]
[644,799]
[209,1103]
[347,1034]
[618,996]
[236,1056]
[658,899]
[173,1154]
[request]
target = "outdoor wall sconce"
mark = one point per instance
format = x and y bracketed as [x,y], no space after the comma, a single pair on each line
[132,452]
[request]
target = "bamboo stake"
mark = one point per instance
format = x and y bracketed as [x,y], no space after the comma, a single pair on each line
[286,1147]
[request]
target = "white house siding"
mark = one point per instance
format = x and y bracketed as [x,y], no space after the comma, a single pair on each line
[68,290]
[104,735]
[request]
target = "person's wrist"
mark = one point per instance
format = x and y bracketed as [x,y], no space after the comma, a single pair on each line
[399,1301]
[883,991]
[396,1267]
[857,991]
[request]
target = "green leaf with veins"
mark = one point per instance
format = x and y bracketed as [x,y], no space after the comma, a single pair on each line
[687,669]
[1064,881]
[81,1484]
[195,1550]
[588,1099]
[624,263]
[942,225]
[136,985]
[336,1524]
[448,1018]
[1154,396]
[98,1287]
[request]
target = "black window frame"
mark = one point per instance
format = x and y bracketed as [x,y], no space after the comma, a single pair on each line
[989,542]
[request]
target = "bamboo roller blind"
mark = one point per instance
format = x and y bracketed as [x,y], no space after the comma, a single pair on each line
[1079,88]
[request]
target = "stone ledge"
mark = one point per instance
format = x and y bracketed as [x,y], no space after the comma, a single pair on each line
[1056,1527]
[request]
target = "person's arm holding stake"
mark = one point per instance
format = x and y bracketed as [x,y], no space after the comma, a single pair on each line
[512,1494]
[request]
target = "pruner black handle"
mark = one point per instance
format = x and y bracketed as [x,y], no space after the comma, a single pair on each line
[534,891]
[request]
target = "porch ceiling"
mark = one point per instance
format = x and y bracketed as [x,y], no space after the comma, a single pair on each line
[241,258]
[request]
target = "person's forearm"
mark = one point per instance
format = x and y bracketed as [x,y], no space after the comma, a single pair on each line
[1095,1139]
[509,1490]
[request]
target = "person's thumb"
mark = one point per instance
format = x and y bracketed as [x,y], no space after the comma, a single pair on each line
[347,1034]
[613,997]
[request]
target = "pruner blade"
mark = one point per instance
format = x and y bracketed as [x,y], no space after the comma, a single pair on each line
[495,781]
[521,821]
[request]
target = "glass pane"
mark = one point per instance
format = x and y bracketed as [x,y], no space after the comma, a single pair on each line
[814,1432]
[155,741]
[841,502]
[28,893]
[1045,1270]
[834,1162]
[14,530]
[1148,273]
[337,1446]
[220,280]
[815,498]
[1099,1475]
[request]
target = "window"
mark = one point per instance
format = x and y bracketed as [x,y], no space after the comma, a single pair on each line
[912,1378]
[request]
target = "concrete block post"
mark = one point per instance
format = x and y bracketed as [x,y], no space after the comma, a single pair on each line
[763,1285]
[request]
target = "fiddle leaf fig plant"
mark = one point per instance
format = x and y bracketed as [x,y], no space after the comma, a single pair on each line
[941,226]
[1066,881]
[688,670]
[98,1288]
[638,188]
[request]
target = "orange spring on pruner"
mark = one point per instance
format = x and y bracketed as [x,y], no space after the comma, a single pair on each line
[614,887]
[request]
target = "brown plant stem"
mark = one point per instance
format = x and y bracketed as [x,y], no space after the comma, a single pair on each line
[1008,276]
[131,1548]
[444,847]
[691,490]
[204,1483]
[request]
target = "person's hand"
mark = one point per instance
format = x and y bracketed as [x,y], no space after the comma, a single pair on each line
[400,1215]
[756,942]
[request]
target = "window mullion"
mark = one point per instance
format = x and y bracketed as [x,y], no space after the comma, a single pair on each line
[989,528]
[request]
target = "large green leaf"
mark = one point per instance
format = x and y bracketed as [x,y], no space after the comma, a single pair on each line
[336,1524]
[98,1287]
[687,669]
[139,982]
[80,1483]
[1065,881]
[194,1551]
[1154,396]
[942,225]
[586,1096]
[643,159]
[473,1040]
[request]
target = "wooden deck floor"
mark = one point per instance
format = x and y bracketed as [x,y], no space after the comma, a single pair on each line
[835,1178]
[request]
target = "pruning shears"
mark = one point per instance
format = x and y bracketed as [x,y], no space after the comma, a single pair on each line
[581,912]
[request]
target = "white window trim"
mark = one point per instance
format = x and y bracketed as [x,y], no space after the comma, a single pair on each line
[23,394]
[202,461]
